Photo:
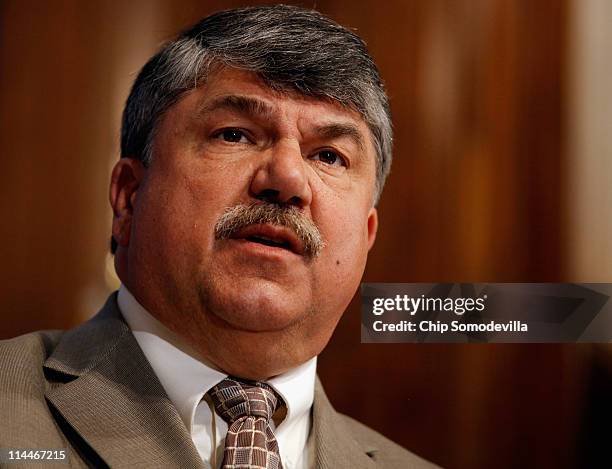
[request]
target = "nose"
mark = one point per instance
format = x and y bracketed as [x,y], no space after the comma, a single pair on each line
[282,177]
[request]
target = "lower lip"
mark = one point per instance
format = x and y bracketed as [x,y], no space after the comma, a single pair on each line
[263,249]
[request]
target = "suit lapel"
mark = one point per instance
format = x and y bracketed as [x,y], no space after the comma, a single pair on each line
[112,398]
[334,445]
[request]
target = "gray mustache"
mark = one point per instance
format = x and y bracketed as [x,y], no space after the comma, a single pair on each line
[240,216]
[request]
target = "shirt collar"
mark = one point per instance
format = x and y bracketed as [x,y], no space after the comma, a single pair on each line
[185,376]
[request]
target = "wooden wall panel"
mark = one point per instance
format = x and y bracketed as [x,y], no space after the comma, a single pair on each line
[54,124]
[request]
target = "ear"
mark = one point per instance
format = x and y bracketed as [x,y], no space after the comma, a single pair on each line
[126,178]
[372,226]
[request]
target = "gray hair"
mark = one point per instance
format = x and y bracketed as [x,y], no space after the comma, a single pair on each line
[290,48]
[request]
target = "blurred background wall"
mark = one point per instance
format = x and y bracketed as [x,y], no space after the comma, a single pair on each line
[502,173]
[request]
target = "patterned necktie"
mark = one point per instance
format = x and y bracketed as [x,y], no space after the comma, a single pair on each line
[247,408]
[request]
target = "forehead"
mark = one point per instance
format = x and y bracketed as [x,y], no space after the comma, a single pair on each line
[230,82]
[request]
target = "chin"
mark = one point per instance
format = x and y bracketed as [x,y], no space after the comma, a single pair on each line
[259,306]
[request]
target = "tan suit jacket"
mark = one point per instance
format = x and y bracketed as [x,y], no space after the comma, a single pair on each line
[92,392]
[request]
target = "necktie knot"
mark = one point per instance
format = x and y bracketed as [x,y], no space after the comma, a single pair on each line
[247,407]
[234,399]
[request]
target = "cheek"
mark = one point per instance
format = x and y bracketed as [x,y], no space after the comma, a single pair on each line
[344,257]
[171,223]
[348,249]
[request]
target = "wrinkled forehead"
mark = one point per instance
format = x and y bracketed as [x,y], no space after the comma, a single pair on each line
[222,77]
[247,93]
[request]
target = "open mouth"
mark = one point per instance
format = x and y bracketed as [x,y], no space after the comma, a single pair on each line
[269,242]
[271,235]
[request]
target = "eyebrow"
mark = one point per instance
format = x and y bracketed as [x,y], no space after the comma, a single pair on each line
[342,130]
[253,107]
[245,105]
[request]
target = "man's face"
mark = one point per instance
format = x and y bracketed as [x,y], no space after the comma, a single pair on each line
[256,304]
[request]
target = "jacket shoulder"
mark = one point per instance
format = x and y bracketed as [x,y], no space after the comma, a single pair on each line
[383,451]
[23,357]
[23,409]
[32,348]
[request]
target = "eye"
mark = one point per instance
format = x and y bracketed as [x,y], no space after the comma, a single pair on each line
[232,136]
[329,157]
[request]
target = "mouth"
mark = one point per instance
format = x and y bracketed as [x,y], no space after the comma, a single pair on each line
[269,242]
[278,237]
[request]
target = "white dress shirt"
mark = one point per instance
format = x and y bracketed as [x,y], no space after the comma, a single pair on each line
[186,380]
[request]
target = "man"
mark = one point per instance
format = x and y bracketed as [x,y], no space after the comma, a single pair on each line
[254,149]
